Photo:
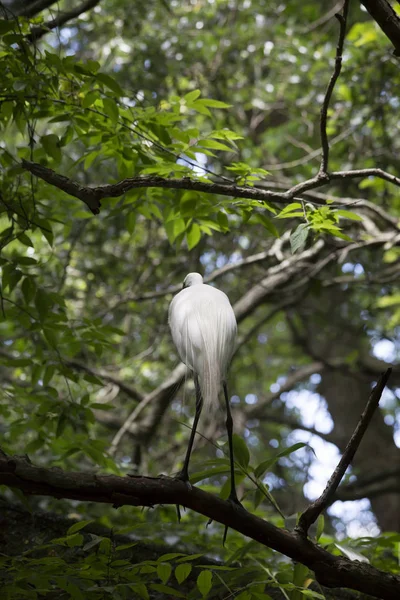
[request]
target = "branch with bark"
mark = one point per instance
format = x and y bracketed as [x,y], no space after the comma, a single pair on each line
[330,570]
[342,18]
[313,511]
[384,15]
[61,19]
[92,196]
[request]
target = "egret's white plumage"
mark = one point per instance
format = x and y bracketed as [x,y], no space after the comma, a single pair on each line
[203,328]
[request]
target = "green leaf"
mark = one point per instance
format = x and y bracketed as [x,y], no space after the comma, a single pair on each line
[182,572]
[169,556]
[164,571]
[90,98]
[125,546]
[299,237]
[166,589]
[204,582]
[61,423]
[206,473]
[51,337]
[267,464]
[300,573]
[110,83]
[213,103]
[191,96]
[111,109]
[189,557]
[213,145]
[193,236]
[78,526]
[292,209]
[240,451]
[75,540]
[140,589]
[24,239]
[6,26]
[43,303]
[223,221]
[51,145]
[268,224]
[320,527]
[347,214]
[48,374]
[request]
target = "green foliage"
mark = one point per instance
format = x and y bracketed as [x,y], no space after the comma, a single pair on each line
[218,96]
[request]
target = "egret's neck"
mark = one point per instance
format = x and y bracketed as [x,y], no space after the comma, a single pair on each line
[192,279]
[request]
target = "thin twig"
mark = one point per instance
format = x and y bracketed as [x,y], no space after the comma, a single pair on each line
[313,511]
[328,94]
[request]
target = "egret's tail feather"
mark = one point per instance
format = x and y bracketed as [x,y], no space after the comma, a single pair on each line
[212,370]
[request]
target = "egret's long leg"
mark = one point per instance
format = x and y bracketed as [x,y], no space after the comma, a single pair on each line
[229,428]
[184,474]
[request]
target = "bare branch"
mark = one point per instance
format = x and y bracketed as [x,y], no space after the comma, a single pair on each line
[260,257]
[313,511]
[302,373]
[330,570]
[328,94]
[324,178]
[370,485]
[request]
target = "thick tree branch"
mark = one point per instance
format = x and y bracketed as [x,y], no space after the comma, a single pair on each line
[313,511]
[382,12]
[92,196]
[330,570]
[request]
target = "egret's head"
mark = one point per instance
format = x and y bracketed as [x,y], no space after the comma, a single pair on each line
[192,279]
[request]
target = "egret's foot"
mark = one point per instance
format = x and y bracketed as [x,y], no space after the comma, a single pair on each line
[182,476]
[233,499]
[235,502]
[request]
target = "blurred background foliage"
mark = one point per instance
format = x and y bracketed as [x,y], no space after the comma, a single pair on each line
[224,91]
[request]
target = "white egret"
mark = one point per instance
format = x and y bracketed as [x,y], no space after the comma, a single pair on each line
[203,328]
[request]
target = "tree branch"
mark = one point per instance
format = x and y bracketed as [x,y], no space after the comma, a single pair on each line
[370,485]
[328,94]
[128,389]
[330,570]
[92,196]
[60,20]
[32,9]
[313,511]
[382,12]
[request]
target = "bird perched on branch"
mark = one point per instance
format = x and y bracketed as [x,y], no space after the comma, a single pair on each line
[203,328]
